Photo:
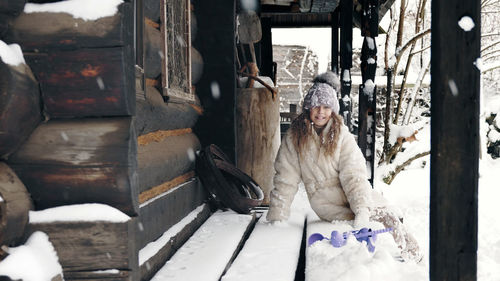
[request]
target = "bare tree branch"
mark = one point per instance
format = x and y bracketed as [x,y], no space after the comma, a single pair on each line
[421,50]
[388,179]
[490,45]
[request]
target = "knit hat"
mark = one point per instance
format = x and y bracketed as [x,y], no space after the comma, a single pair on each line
[323,92]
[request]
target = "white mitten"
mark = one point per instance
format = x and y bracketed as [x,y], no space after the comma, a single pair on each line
[361,219]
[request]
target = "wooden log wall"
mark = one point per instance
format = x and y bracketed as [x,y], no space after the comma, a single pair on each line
[15,203]
[168,186]
[86,149]
[80,161]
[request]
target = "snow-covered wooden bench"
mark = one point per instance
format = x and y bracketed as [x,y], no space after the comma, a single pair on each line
[231,246]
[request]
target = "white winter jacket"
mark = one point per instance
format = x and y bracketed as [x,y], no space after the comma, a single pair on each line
[336,185]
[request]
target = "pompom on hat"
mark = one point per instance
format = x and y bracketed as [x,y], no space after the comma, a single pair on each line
[323,92]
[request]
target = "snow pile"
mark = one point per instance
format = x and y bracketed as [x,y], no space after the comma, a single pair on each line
[354,262]
[84,9]
[78,212]
[11,54]
[397,131]
[34,261]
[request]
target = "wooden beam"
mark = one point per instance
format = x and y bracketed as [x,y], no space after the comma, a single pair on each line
[159,162]
[149,267]
[164,187]
[163,211]
[335,40]
[92,245]
[154,114]
[80,161]
[455,94]
[86,82]
[46,30]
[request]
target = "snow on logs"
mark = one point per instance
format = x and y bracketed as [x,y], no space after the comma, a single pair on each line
[20,109]
[15,203]
[44,30]
[92,241]
[80,161]
[84,63]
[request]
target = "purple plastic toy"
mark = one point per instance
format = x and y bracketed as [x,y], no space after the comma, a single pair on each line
[338,239]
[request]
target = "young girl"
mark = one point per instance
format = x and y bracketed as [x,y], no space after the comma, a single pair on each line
[319,150]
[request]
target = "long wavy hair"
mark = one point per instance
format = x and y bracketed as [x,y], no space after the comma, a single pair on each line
[302,128]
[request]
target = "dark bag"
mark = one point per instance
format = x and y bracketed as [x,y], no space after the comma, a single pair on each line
[228,186]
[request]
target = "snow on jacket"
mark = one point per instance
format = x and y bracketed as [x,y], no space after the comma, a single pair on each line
[336,185]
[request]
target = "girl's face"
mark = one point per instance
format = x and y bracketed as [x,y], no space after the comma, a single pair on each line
[320,115]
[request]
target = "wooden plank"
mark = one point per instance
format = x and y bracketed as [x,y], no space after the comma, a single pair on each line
[107,275]
[176,236]
[162,161]
[86,82]
[91,246]
[164,187]
[455,122]
[160,213]
[257,135]
[154,114]
[190,259]
[45,30]
[20,108]
[15,203]
[80,161]
[260,251]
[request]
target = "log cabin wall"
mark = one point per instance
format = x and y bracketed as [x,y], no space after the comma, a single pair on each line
[166,113]
[113,132]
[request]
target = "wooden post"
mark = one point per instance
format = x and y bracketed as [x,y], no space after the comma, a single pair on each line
[335,40]
[455,89]
[216,88]
[367,91]
[346,7]
[266,47]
